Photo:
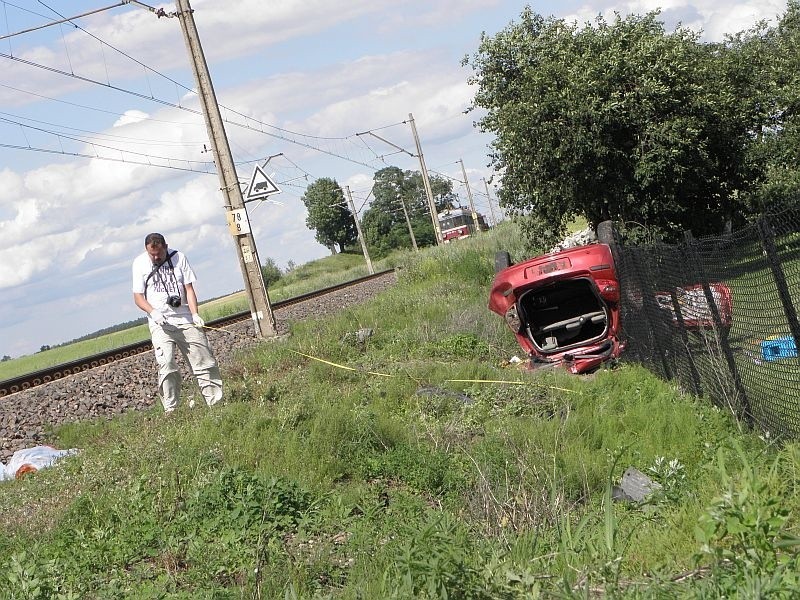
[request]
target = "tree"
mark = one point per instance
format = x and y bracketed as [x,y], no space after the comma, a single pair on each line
[270,271]
[328,214]
[384,223]
[772,77]
[5,358]
[614,121]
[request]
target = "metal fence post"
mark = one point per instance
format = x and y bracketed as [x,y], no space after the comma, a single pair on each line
[721,339]
[650,311]
[768,242]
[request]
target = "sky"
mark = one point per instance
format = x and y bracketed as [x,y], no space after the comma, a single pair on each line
[102,140]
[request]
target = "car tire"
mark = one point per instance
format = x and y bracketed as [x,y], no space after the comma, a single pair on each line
[502,260]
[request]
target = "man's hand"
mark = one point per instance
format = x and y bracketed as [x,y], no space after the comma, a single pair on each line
[198,320]
[158,317]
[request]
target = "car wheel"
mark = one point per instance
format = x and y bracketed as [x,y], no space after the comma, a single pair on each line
[502,260]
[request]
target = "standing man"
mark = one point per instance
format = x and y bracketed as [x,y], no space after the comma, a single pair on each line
[163,287]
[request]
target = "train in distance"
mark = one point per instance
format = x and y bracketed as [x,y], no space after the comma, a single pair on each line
[457,223]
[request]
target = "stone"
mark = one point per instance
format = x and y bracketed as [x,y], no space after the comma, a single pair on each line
[634,487]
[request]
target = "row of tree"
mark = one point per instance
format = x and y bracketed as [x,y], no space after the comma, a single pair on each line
[623,120]
[398,209]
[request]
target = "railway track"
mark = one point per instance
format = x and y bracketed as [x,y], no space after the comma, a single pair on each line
[30,380]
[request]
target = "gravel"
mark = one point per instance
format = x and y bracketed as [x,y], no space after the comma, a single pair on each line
[130,384]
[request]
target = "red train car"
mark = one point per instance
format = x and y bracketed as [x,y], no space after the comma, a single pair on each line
[457,223]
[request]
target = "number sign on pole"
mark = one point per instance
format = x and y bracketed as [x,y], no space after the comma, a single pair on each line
[238,223]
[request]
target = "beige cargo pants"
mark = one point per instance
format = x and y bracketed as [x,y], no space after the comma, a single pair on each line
[193,344]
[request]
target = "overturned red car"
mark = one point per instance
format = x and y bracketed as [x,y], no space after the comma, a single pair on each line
[562,307]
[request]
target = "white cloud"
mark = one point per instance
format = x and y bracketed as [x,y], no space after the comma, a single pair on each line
[130,116]
[193,204]
[714,18]
[21,262]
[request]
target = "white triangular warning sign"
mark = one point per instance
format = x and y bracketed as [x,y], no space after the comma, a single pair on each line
[260,185]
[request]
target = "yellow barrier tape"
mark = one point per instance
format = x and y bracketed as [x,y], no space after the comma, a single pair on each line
[514,382]
[333,364]
[216,329]
[550,387]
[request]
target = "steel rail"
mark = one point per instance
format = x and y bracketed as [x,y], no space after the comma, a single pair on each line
[29,380]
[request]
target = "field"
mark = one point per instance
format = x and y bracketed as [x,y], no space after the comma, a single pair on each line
[415,462]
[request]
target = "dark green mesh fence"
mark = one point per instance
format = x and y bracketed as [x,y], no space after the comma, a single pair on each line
[718,315]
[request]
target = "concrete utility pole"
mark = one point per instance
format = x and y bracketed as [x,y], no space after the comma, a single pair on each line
[260,308]
[469,195]
[408,222]
[489,199]
[358,229]
[437,230]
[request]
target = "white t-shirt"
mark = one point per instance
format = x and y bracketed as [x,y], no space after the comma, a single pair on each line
[164,283]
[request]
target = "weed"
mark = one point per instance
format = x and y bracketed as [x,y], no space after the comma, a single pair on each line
[457,346]
[30,578]
[435,564]
[744,535]
[671,474]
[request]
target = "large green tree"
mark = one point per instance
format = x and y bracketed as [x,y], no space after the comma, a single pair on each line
[328,214]
[616,120]
[767,60]
[384,223]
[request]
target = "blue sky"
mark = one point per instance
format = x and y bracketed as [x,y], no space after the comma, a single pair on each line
[118,87]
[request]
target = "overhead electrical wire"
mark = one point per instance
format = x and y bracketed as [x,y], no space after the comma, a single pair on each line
[86,14]
[96,82]
[108,158]
[99,135]
[197,112]
[283,133]
[98,109]
[114,48]
[96,145]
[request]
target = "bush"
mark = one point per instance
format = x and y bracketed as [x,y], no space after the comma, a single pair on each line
[270,271]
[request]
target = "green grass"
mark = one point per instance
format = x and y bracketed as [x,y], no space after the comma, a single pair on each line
[408,471]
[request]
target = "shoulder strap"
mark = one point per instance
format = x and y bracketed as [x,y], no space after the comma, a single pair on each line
[167,259]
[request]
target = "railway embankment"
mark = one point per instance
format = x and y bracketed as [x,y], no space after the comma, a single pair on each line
[130,384]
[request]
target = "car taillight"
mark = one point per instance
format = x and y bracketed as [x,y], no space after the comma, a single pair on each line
[609,289]
[513,320]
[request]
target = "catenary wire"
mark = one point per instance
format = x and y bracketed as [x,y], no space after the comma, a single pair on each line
[283,132]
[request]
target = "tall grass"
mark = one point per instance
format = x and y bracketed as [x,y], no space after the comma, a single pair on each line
[410,464]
